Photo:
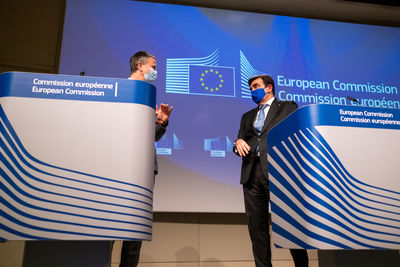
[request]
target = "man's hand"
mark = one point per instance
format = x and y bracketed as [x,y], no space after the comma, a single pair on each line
[242,147]
[163,113]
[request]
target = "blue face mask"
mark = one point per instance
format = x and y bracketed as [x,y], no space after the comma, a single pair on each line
[151,76]
[258,95]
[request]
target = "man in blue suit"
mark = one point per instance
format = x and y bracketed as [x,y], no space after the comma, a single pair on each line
[251,145]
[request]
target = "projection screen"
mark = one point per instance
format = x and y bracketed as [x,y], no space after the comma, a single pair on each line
[204,59]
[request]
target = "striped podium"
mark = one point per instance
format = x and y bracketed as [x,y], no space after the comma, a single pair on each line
[77,158]
[334,179]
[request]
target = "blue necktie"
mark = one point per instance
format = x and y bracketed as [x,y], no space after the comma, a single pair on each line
[259,124]
[260,119]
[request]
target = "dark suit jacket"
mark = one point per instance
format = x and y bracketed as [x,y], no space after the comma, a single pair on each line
[278,111]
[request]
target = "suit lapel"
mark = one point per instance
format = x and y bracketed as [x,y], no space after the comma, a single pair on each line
[252,118]
[273,110]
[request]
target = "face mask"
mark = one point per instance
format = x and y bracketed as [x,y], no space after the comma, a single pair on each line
[151,76]
[258,95]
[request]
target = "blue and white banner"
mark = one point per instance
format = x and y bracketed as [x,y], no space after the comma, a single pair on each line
[334,179]
[77,157]
[81,88]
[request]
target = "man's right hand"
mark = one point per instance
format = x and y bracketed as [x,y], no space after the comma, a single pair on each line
[242,148]
[163,113]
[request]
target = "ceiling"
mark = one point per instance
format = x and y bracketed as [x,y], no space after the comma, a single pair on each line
[378,2]
[376,12]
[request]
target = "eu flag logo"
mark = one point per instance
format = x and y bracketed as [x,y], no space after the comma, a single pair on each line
[211,80]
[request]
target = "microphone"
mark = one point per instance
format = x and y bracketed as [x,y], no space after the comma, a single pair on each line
[353,99]
[82,73]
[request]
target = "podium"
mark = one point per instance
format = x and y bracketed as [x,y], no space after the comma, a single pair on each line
[77,157]
[334,179]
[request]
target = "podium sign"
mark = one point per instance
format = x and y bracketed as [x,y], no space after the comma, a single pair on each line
[334,178]
[77,157]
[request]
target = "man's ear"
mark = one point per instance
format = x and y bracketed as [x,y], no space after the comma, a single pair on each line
[140,65]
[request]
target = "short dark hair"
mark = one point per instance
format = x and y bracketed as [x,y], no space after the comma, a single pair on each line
[141,56]
[266,79]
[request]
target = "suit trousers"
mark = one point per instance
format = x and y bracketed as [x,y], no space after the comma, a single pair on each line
[256,200]
[130,253]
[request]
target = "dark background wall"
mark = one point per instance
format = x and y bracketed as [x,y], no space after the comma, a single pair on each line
[31,31]
[31,34]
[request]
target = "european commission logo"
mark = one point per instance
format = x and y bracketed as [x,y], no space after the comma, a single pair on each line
[205,76]
[200,76]
[166,145]
[216,81]
[217,146]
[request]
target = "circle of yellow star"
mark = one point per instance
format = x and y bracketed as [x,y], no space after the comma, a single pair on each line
[211,72]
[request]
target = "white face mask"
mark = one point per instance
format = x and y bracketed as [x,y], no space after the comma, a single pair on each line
[151,76]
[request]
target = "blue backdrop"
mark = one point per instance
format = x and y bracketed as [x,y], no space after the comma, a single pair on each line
[205,57]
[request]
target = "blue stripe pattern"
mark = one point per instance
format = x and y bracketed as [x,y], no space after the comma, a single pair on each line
[41,201]
[310,187]
[177,71]
[246,72]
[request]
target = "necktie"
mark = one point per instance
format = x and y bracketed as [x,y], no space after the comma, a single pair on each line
[260,119]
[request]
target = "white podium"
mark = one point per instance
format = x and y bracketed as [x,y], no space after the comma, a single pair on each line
[77,158]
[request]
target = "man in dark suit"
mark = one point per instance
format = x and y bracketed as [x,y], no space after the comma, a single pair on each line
[251,145]
[143,68]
